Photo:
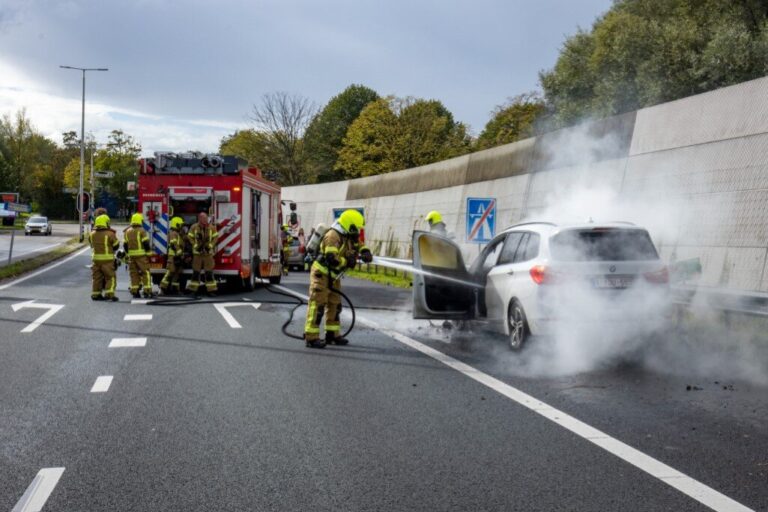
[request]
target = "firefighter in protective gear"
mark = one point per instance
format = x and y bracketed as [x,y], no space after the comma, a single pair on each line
[339,250]
[174,264]
[287,239]
[436,224]
[104,243]
[202,236]
[136,244]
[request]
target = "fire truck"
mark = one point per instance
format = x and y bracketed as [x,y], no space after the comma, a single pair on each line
[244,206]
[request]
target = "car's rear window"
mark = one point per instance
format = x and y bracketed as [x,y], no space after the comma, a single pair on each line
[37,219]
[603,245]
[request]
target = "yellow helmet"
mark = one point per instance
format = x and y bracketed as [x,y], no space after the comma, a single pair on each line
[352,221]
[102,221]
[137,219]
[177,222]
[433,217]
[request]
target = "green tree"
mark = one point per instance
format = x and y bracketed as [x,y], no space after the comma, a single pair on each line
[392,134]
[119,156]
[643,52]
[250,145]
[325,134]
[512,121]
[369,145]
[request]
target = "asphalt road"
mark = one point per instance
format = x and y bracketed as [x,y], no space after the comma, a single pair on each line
[206,416]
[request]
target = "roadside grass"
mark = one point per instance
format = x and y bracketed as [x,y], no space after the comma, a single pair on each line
[18,268]
[398,280]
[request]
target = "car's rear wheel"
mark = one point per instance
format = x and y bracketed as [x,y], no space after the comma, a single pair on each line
[518,326]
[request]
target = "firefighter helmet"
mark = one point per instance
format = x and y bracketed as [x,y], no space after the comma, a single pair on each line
[176,223]
[352,221]
[433,217]
[102,221]
[137,219]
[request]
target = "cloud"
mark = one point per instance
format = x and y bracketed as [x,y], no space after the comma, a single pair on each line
[53,114]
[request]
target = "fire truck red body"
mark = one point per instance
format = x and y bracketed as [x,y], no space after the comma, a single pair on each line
[243,205]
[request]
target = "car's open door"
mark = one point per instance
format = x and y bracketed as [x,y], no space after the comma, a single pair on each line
[442,287]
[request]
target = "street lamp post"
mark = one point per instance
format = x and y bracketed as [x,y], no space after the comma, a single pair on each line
[80,202]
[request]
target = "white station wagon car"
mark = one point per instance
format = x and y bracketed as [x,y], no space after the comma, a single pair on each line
[37,224]
[536,276]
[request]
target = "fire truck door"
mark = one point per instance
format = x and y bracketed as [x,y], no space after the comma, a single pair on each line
[156,226]
[263,242]
[228,224]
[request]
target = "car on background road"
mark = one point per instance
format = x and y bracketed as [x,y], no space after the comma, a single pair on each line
[295,258]
[37,224]
[537,277]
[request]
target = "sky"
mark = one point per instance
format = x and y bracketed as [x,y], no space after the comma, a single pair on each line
[184,73]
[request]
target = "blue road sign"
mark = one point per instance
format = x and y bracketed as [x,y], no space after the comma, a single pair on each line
[18,207]
[338,211]
[481,219]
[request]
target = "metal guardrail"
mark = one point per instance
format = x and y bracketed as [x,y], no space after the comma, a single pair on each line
[722,299]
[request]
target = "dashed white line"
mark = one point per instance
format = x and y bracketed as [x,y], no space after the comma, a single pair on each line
[667,474]
[129,318]
[140,301]
[127,342]
[34,498]
[102,384]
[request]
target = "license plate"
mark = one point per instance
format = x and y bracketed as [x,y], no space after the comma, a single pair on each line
[155,265]
[612,282]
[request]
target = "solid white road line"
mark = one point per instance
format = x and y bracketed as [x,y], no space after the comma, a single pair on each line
[222,309]
[102,384]
[127,342]
[44,269]
[39,490]
[21,253]
[670,476]
[128,318]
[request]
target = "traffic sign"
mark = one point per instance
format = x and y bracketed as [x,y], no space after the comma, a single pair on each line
[481,219]
[69,190]
[103,174]
[18,207]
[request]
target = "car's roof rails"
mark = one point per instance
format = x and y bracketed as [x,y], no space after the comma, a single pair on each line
[529,223]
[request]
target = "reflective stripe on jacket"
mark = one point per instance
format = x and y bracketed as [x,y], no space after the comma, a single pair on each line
[175,243]
[203,238]
[136,241]
[104,243]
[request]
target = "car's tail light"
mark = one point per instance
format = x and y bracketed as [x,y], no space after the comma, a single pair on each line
[226,260]
[539,274]
[658,277]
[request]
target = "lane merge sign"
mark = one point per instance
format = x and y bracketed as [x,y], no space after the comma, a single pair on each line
[17,207]
[481,219]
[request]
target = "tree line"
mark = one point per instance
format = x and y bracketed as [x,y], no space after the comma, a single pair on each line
[40,169]
[637,54]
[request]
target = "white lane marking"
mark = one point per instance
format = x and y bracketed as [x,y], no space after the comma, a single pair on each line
[140,301]
[128,318]
[23,252]
[222,309]
[34,498]
[45,269]
[667,474]
[52,310]
[102,384]
[127,342]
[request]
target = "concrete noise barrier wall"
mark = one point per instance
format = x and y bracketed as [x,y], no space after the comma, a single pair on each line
[693,171]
